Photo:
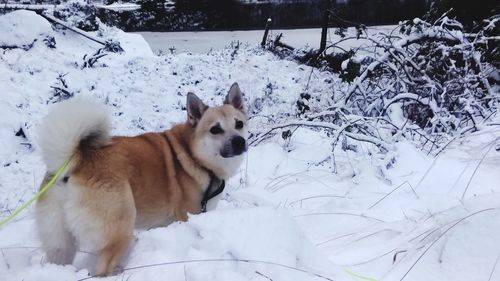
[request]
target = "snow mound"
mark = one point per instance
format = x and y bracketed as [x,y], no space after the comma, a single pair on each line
[223,245]
[258,235]
[21,28]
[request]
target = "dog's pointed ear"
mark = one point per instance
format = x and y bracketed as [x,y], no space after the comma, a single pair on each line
[195,108]
[235,97]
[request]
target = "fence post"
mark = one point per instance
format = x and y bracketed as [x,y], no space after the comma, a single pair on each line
[324,27]
[266,32]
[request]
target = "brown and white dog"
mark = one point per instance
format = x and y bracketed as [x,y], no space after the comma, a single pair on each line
[114,184]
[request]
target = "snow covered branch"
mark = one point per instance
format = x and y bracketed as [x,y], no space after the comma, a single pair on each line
[329,126]
[433,73]
[431,83]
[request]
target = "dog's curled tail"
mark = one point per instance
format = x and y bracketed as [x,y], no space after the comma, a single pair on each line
[75,125]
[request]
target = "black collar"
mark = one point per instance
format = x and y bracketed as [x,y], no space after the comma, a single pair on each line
[214,189]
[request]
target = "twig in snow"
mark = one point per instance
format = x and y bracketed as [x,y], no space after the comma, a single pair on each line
[5,259]
[440,236]
[316,196]
[385,196]
[395,256]
[339,213]
[278,43]
[494,267]
[441,252]
[459,177]
[297,269]
[263,275]
[33,248]
[128,277]
[366,236]
[477,167]
[335,238]
[427,171]
[309,79]
[370,260]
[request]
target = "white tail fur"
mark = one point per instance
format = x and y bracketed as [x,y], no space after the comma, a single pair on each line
[74,124]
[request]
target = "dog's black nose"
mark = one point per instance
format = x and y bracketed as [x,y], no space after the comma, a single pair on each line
[239,145]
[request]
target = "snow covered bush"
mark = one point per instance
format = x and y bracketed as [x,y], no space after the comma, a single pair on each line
[468,13]
[79,14]
[429,82]
[432,81]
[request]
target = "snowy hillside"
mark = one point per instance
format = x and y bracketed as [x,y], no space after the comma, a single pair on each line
[286,215]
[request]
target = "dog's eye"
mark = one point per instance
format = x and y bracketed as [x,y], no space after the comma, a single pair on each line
[215,130]
[239,124]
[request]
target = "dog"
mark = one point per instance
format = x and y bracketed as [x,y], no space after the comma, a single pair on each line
[114,184]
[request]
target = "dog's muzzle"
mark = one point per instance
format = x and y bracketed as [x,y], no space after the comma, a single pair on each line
[237,145]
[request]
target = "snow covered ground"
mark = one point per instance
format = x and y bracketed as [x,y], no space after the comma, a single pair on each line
[286,215]
[202,42]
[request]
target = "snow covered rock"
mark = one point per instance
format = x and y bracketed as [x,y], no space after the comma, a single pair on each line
[20,29]
[133,44]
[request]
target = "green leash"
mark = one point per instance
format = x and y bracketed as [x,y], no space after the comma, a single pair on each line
[352,274]
[44,189]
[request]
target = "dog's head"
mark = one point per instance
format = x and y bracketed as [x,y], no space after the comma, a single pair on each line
[220,133]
